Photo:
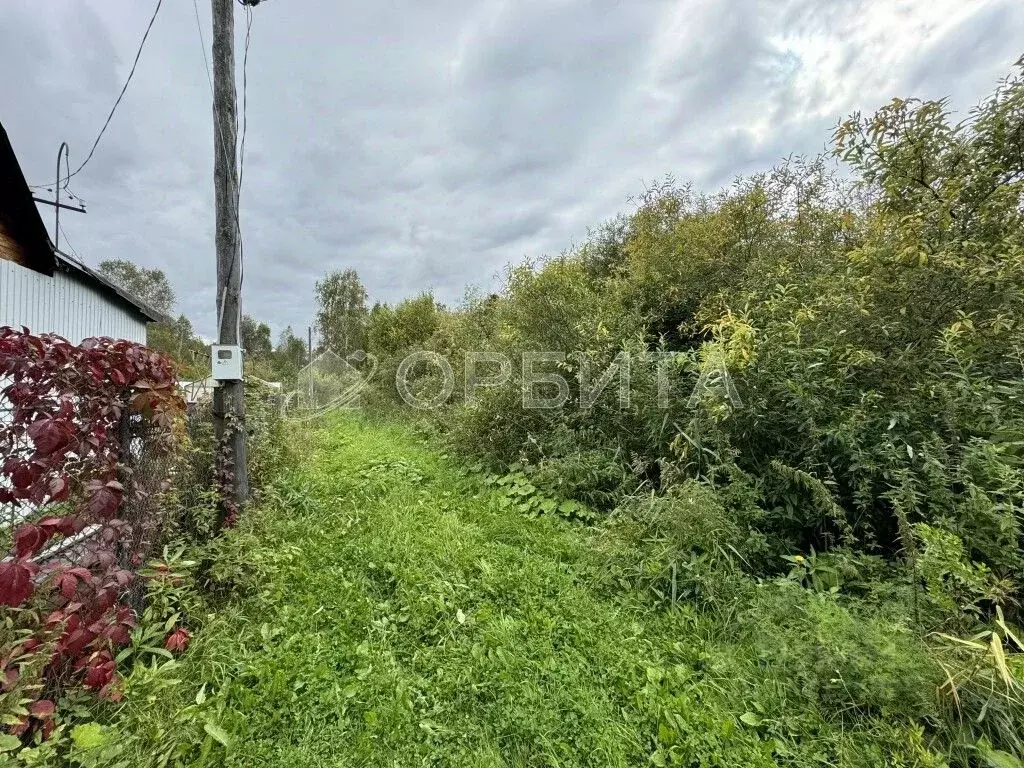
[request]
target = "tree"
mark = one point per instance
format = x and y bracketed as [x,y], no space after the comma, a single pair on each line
[286,360]
[174,338]
[291,350]
[341,314]
[178,341]
[410,324]
[150,285]
[256,338]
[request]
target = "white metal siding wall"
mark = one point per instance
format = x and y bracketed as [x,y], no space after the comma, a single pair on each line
[63,305]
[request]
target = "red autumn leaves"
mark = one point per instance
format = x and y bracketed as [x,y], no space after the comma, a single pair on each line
[63,444]
[66,403]
[30,538]
[178,640]
[104,498]
[16,585]
[51,435]
[17,576]
[40,713]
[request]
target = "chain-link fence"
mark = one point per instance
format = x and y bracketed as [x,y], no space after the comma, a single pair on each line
[92,459]
[140,528]
[10,514]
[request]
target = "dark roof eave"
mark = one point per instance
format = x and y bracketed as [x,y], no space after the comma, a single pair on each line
[18,212]
[112,288]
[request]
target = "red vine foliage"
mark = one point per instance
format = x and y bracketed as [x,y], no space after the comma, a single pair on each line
[67,473]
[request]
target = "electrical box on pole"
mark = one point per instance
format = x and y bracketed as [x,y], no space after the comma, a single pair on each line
[227,362]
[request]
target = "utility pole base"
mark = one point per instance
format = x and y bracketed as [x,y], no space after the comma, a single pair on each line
[229,438]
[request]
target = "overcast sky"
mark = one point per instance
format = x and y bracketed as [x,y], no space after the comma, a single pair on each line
[427,143]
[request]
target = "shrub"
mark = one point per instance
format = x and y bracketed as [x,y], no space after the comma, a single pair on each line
[848,663]
[683,545]
[867,322]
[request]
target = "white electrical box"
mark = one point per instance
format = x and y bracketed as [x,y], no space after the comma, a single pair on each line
[227,362]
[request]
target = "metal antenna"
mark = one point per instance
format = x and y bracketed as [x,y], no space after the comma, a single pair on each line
[65,150]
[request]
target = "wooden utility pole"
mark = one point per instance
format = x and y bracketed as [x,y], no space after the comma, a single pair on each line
[228,401]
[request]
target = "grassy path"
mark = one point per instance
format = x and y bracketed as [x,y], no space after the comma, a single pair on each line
[386,611]
[409,621]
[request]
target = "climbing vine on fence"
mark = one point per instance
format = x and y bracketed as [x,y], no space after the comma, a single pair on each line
[75,411]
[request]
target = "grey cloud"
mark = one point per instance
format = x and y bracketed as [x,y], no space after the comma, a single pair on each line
[978,43]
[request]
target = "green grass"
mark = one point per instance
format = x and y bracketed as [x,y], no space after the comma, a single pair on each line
[380,608]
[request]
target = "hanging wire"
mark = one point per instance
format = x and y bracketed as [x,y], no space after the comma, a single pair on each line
[120,96]
[245,98]
[67,243]
[202,46]
[241,151]
[110,116]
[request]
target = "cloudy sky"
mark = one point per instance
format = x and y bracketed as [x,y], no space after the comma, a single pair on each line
[427,143]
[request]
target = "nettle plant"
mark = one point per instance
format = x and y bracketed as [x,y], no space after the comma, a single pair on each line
[87,518]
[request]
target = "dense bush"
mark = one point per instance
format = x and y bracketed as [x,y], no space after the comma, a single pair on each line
[867,319]
[826,379]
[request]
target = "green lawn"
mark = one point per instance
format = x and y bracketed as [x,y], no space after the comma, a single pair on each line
[385,610]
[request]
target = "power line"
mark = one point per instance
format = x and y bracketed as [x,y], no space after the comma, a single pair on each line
[120,96]
[245,83]
[241,151]
[202,46]
[50,188]
[68,244]
[124,88]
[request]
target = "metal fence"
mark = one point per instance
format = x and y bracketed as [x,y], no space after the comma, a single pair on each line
[140,527]
[10,514]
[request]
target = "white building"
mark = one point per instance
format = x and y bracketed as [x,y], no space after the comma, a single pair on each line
[46,290]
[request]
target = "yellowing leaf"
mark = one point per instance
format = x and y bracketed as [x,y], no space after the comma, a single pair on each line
[89,736]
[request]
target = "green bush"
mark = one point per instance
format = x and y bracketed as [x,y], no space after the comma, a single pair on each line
[684,545]
[846,662]
[869,323]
